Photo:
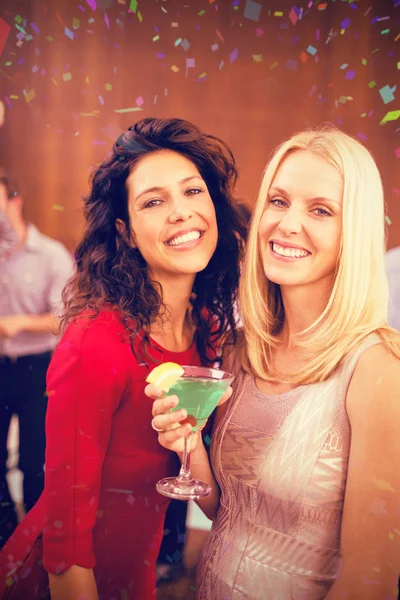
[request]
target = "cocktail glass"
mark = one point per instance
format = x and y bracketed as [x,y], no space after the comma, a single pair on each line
[199,390]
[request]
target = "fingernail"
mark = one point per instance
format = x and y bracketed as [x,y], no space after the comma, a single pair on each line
[183,413]
[188,427]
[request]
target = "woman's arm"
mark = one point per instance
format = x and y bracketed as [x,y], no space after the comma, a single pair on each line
[85,382]
[75,584]
[370,535]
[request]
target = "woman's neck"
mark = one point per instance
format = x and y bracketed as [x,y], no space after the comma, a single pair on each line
[174,329]
[302,307]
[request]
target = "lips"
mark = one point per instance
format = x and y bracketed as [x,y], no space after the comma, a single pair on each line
[290,246]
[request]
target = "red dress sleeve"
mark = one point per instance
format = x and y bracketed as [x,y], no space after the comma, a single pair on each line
[85,382]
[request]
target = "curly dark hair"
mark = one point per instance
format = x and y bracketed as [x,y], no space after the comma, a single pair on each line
[111,274]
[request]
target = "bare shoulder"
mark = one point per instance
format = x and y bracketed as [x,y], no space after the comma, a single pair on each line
[374,390]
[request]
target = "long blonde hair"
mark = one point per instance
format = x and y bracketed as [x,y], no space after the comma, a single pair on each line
[358,301]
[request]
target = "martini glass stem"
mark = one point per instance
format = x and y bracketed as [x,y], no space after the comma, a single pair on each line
[185,475]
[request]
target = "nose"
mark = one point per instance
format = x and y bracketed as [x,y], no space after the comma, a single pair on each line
[291,222]
[179,211]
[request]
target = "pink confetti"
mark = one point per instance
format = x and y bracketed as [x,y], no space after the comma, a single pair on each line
[92,4]
[293,16]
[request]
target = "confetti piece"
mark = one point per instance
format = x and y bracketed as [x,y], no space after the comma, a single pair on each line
[397,152]
[92,4]
[252,10]
[392,115]
[108,87]
[127,110]
[133,6]
[139,101]
[67,76]
[293,16]
[69,33]
[29,96]
[372,84]
[388,221]
[4,31]
[185,44]
[257,57]
[174,68]
[391,536]
[384,485]
[386,94]
[58,207]
[311,50]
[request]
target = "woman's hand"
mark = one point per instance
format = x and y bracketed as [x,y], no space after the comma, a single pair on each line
[173,427]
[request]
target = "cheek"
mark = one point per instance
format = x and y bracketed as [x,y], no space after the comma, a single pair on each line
[267,223]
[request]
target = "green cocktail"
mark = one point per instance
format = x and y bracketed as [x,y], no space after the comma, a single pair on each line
[199,396]
[199,390]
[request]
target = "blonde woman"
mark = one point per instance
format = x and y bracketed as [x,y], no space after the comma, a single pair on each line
[305,455]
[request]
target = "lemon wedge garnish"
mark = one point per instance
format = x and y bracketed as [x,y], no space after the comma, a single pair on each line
[165,376]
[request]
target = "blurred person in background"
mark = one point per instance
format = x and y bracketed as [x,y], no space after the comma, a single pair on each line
[392,261]
[33,271]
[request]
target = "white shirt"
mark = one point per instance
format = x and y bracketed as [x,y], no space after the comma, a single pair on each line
[392,260]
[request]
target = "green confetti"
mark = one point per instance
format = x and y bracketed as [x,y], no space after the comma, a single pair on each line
[372,84]
[388,221]
[133,6]
[18,18]
[201,13]
[392,115]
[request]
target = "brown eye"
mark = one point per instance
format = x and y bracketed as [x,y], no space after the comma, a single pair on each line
[151,203]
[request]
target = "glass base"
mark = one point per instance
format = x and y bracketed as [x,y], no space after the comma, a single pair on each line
[172,487]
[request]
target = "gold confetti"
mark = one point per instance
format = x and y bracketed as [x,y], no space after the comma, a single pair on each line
[384,485]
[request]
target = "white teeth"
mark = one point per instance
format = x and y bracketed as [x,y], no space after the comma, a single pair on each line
[292,252]
[187,237]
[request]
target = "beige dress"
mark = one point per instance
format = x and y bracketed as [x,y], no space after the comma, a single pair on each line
[281,463]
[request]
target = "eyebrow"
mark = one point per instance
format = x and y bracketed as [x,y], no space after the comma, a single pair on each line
[309,200]
[160,188]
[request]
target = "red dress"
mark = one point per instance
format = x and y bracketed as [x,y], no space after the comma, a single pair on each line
[100,508]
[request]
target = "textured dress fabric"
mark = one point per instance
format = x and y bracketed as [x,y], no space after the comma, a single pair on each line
[100,508]
[281,462]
